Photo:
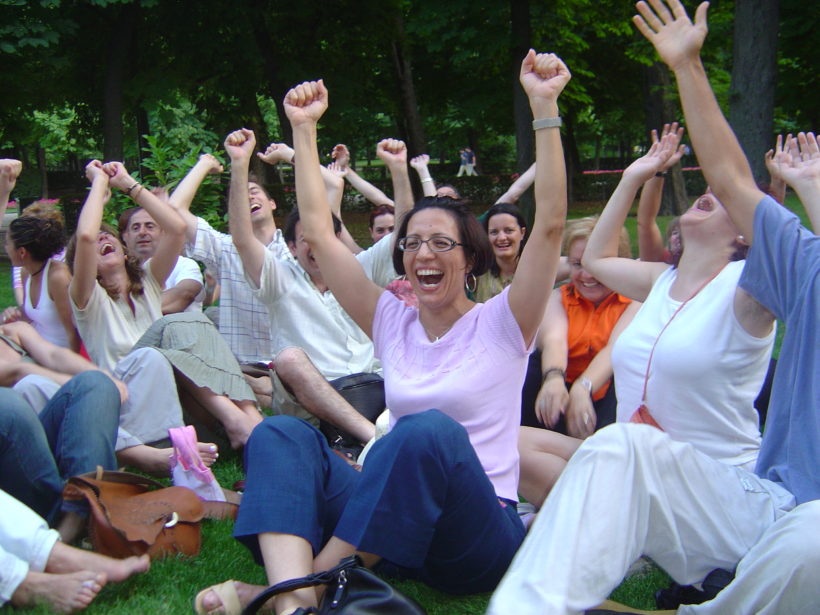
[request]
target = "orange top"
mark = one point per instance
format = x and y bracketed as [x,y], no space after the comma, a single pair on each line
[589,330]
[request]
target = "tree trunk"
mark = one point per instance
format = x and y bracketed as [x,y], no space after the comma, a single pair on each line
[754,74]
[410,119]
[119,48]
[520,43]
[276,87]
[662,108]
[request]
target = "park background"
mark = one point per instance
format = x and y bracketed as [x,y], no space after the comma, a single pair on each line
[157,82]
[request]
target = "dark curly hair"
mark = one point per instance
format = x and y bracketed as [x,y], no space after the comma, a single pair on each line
[42,237]
[132,266]
[476,245]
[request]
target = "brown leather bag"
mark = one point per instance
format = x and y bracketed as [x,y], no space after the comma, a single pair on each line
[132,514]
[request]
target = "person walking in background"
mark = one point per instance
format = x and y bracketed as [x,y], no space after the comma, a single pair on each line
[467,159]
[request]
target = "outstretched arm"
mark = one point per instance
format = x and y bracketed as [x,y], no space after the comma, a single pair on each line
[650,240]
[183,196]
[239,145]
[543,78]
[304,105]
[419,163]
[88,227]
[367,190]
[678,42]
[628,277]
[173,227]
[518,187]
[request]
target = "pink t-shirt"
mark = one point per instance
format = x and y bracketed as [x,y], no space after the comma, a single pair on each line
[474,374]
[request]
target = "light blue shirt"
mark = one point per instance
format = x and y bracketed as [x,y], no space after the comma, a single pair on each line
[783,273]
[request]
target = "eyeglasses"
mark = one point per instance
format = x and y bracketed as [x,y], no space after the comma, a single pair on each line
[413,243]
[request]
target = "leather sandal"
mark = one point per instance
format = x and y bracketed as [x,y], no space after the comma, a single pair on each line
[227,594]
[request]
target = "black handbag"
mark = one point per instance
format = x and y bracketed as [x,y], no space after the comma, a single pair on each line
[351,590]
[365,392]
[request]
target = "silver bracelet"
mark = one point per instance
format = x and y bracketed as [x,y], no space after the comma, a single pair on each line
[547,122]
[427,179]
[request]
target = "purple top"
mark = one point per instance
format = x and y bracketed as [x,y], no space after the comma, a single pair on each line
[473,373]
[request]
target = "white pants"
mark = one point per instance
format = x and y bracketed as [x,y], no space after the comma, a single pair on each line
[632,490]
[153,403]
[25,544]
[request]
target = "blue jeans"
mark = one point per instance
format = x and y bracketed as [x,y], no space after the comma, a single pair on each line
[74,433]
[422,500]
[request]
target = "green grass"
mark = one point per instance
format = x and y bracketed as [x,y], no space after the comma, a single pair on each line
[171,584]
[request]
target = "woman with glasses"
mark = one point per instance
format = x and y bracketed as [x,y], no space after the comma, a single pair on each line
[436,498]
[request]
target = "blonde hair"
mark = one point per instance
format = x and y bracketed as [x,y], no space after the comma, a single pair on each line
[581,228]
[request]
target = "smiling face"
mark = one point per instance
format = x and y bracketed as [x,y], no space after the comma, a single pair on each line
[262,206]
[141,235]
[382,225]
[110,251]
[586,285]
[707,218]
[437,277]
[505,236]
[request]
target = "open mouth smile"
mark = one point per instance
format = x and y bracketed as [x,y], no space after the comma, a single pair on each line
[429,278]
[107,248]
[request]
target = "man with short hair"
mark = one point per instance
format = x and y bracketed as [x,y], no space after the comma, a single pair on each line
[184,289]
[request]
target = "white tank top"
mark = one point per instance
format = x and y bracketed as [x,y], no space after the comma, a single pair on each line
[44,318]
[706,371]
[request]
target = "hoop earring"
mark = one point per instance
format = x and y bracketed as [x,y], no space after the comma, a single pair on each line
[468,280]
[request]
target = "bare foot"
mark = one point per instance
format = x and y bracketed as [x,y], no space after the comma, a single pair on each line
[64,593]
[241,424]
[211,603]
[208,451]
[65,559]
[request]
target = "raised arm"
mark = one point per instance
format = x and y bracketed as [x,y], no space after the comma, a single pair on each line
[333,175]
[678,42]
[650,240]
[304,105]
[239,145]
[10,170]
[773,159]
[173,227]
[183,196]
[626,276]
[393,152]
[801,170]
[518,187]
[88,227]
[420,164]
[543,78]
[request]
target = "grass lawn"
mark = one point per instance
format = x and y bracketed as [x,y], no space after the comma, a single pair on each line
[171,584]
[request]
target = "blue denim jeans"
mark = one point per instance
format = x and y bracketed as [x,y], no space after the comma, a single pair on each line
[74,433]
[422,500]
